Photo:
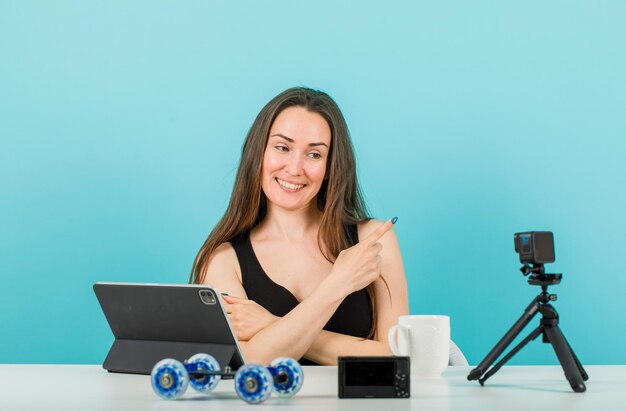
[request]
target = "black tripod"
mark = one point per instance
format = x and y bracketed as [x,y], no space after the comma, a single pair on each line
[549,327]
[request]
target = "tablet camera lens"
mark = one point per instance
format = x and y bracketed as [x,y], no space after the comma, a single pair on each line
[207,297]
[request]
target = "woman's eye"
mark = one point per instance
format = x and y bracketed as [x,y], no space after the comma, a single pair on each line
[315,156]
[281,148]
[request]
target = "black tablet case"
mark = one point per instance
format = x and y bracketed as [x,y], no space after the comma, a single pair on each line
[151,322]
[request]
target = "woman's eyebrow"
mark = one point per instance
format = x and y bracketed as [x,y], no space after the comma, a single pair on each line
[291,140]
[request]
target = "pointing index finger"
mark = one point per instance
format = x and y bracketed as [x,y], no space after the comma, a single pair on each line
[380,231]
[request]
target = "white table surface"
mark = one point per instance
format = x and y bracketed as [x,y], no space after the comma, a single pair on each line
[89,387]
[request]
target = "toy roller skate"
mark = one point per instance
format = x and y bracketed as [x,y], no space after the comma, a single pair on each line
[253,382]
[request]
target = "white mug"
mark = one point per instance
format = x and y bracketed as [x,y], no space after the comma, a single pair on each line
[424,338]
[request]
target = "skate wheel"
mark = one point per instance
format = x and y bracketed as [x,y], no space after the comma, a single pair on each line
[253,383]
[169,379]
[288,376]
[204,383]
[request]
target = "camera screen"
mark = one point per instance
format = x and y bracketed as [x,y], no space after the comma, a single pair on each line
[369,373]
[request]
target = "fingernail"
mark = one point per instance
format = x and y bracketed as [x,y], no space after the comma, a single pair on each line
[393,220]
[225,294]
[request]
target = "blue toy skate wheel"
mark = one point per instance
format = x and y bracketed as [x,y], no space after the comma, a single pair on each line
[288,376]
[204,383]
[253,383]
[169,379]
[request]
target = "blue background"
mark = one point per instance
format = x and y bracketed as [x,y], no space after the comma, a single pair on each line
[121,125]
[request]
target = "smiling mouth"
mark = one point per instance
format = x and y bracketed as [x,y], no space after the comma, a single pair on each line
[288,186]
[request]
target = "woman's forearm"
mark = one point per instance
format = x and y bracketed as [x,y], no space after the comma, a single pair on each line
[293,334]
[327,346]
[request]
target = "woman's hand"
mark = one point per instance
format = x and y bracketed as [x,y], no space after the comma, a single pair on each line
[359,266]
[247,317]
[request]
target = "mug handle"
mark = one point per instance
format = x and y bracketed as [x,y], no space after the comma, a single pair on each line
[391,340]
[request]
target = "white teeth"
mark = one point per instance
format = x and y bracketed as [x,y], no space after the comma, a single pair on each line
[289,185]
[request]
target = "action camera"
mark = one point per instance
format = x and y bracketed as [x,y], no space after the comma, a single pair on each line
[535,247]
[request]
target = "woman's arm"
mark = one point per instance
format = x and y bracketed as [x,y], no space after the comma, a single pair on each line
[293,334]
[390,304]
[223,271]
[329,345]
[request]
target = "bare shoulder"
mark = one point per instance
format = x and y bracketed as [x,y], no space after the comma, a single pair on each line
[223,271]
[224,259]
[225,251]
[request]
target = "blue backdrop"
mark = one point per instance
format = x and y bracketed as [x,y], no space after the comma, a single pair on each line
[121,125]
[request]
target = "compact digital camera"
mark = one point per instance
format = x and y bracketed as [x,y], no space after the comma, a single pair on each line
[374,377]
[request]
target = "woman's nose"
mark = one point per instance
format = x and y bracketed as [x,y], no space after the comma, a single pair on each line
[294,165]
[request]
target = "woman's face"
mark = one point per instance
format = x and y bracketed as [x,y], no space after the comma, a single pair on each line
[294,163]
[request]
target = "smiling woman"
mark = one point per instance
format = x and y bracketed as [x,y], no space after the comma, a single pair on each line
[287,250]
[295,158]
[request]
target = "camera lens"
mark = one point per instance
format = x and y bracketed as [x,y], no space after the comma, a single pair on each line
[207,297]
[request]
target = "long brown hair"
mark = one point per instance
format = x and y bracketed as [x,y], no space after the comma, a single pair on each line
[340,199]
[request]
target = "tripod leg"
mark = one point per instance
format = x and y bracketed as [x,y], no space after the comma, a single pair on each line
[510,335]
[534,334]
[582,371]
[565,355]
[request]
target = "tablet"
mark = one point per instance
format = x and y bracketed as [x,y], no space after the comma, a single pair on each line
[155,321]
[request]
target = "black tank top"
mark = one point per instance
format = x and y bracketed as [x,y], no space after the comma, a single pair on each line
[352,317]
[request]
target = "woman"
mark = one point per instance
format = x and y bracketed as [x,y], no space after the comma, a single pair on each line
[287,251]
